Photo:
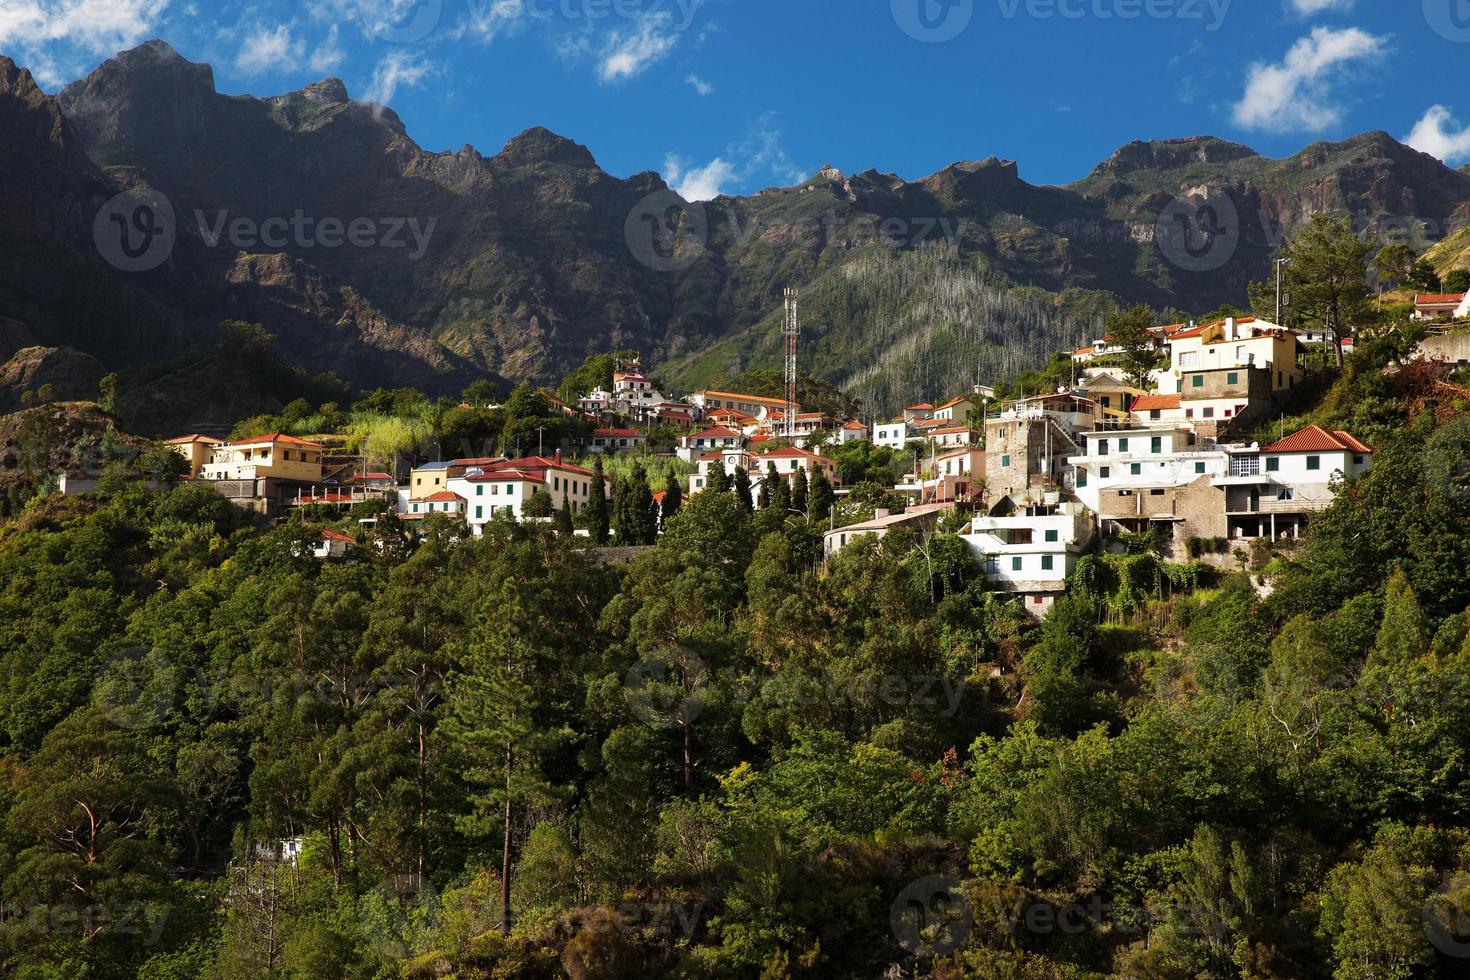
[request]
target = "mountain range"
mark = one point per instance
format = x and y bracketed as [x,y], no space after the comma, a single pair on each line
[386,264]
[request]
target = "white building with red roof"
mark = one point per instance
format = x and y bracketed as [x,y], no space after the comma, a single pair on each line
[615,440]
[1442,306]
[506,487]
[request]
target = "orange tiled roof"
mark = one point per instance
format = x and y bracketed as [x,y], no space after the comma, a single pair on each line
[1151,403]
[1315,439]
[1438,299]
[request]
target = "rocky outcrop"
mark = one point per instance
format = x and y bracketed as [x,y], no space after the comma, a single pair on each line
[67,374]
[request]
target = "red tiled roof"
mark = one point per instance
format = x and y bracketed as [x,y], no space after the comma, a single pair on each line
[1315,439]
[443,496]
[539,463]
[373,476]
[854,424]
[921,407]
[616,434]
[336,536]
[483,461]
[281,438]
[500,474]
[1083,350]
[1438,299]
[195,437]
[717,432]
[1150,403]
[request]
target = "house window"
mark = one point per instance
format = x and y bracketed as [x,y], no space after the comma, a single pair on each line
[1047,563]
[1198,381]
[1199,468]
[1053,536]
[1188,359]
[1358,460]
[1314,463]
[1155,414]
[1232,378]
[1157,445]
[479,491]
[1005,461]
[479,513]
[1189,413]
[1209,413]
[1102,447]
[1273,465]
[1105,472]
[1081,479]
[1287,493]
[1122,445]
[1135,469]
[1015,564]
[510,489]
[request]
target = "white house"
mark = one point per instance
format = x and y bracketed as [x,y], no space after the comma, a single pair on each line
[895,434]
[1442,306]
[615,440]
[922,520]
[852,432]
[1032,551]
[1272,492]
[1118,460]
[714,439]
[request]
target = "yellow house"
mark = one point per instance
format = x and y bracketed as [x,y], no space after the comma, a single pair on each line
[197,451]
[276,456]
[1231,345]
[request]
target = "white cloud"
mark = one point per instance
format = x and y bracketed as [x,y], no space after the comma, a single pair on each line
[1440,135]
[398,70]
[489,19]
[1308,8]
[699,85]
[96,26]
[269,49]
[702,183]
[1297,94]
[328,54]
[629,53]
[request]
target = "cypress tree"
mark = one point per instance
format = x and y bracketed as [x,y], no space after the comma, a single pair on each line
[564,517]
[742,489]
[597,518]
[1401,638]
[780,491]
[717,479]
[799,492]
[673,499]
[819,507]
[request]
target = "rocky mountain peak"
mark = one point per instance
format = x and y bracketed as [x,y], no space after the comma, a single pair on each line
[541,145]
[1172,154]
[327,90]
[16,81]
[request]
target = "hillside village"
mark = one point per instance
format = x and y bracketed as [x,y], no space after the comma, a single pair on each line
[1032,483]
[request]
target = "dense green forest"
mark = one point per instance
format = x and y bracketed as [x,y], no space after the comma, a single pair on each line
[505,758]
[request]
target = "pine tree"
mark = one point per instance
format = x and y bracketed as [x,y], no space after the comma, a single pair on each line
[564,517]
[742,489]
[819,507]
[799,492]
[1401,638]
[597,517]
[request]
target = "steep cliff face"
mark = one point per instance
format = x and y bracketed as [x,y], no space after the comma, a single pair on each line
[519,263]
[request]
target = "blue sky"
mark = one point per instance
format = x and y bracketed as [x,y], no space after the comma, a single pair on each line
[734,95]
